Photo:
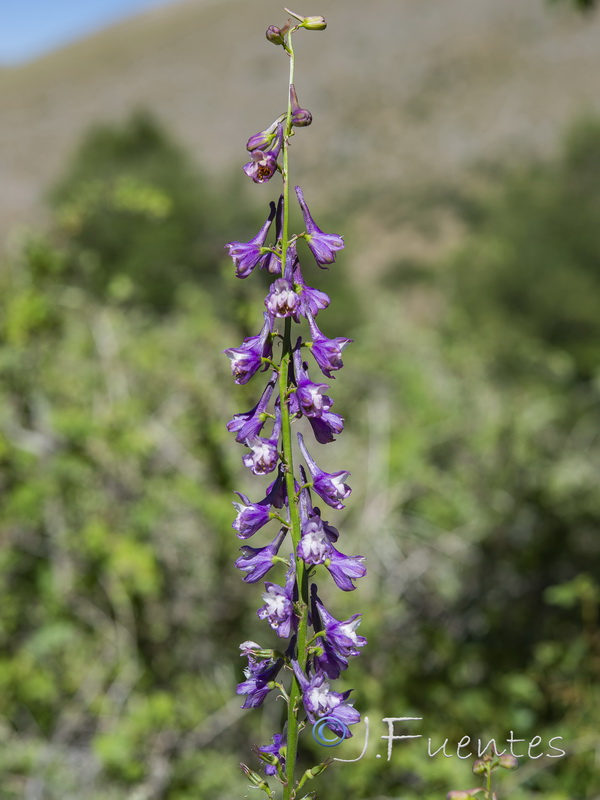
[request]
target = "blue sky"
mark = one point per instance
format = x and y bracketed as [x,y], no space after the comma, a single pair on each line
[29,28]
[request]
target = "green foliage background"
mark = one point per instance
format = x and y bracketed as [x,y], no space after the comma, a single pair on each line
[473,445]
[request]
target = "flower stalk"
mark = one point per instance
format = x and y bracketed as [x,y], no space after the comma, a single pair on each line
[292,608]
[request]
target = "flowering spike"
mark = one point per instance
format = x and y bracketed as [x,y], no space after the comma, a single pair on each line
[287,607]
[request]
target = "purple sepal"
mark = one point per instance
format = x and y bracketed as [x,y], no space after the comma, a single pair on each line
[247,255]
[309,398]
[321,701]
[329,486]
[276,491]
[314,546]
[311,301]
[330,662]
[272,262]
[278,609]
[326,425]
[264,453]
[250,516]
[327,352]
[258,676]
[345,569]
[308,513]
[323,245]
[251,423]
[257,561]
[247,359]
[340,641]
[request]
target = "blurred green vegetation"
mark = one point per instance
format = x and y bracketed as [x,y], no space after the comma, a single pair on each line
[473,446]
[137,219]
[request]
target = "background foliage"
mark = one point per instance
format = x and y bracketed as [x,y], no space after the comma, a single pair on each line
[473,444]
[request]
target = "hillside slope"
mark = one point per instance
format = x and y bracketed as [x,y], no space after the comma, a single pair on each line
[404,92]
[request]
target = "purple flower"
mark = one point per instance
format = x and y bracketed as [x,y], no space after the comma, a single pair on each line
[247,359]
[327,352]
[345,569]
[301,117]
[311,301]
[250,649]
[264,162]
[282,300]
[323,245]
[277,749]
[329,486]
[309,398]
[264,453]
[307,512]
[326,425]
[263,457]
[278,609]
[251,423]
[250,516]
[341,636]
[247,255]
[257,561]
[321,701]
[314,546]
[259,681]
[331,532]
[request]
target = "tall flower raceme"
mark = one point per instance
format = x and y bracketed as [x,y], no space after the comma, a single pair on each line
[313,646]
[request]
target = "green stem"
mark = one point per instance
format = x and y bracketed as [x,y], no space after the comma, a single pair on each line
[286,434]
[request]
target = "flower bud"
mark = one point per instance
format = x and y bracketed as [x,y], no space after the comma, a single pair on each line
[254,778]
[508,762]
[262,139]
[314,23]
[319,768]
[269,758]
[479,767]
[273,34]
[301,117]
